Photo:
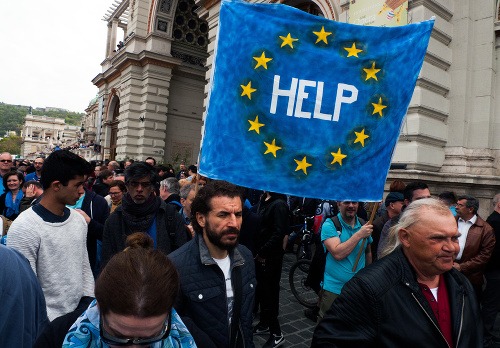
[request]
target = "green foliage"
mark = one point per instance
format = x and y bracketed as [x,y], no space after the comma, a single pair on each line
[12,116]
[11,144]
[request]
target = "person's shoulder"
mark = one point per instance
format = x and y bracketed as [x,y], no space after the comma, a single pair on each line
[244,251]
[184,252]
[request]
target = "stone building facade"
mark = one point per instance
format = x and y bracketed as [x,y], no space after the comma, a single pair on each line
[153,89]
[41,134]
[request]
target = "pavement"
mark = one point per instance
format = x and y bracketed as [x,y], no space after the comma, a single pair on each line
[296,328]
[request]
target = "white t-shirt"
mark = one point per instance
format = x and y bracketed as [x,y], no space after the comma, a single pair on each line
[463,228]
[225,265]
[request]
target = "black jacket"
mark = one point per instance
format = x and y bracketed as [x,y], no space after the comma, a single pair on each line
[274,225]
[383,306]
[168,239]
[202,294]
[97,208]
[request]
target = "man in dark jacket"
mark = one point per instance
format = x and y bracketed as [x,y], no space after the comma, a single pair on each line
[273,211]
[217,275]
[411,298]
[95,210]
[142,211]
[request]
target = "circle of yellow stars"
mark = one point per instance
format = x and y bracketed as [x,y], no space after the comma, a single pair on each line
[322,37]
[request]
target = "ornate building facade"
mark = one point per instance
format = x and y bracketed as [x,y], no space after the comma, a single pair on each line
[153,88]
[41,134]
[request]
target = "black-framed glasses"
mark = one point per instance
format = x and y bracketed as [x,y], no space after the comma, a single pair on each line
[114,193]
[145,184]
[126,341]
[6,161]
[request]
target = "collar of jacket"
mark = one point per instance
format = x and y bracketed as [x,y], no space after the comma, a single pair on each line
[206,259]
[409,276]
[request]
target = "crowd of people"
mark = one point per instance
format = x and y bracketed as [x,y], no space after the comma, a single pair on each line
[138,254]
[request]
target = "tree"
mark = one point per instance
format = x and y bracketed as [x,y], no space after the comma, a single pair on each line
[11,144]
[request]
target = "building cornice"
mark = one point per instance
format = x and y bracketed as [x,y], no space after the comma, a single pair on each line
[432,5]
[424,110]
[126,59]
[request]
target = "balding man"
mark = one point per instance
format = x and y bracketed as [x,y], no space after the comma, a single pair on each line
[5,166]
[412,297]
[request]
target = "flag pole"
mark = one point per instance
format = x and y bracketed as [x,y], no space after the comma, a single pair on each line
[372,216]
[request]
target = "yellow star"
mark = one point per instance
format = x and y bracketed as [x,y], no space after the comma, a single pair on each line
[322,35]
[360,137]
[271,148]
[377,108]
[353,51]
[287,40]
[371,73]
[338,157]
[247,90]
[302,165]
[255,125]
[262,60]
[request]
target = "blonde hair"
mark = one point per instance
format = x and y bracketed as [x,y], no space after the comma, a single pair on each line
[411,215]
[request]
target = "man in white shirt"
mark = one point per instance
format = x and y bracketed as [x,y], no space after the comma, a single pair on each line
[54,238]
[476,241]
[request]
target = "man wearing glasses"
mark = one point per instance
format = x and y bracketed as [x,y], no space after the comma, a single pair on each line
[142,211]
[37,174]
[5,166]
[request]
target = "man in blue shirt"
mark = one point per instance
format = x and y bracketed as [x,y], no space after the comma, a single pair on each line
[37,174]
[5,166]
[343,248]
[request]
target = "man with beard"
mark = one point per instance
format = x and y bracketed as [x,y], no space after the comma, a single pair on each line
[217,276]
[142,211]
[343,247]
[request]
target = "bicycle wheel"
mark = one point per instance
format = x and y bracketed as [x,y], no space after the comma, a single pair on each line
[297,278]
[305,250]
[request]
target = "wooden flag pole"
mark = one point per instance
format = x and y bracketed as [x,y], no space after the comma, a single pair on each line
[372,216]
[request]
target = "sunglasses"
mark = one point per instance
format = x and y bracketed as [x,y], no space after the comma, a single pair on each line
[6,161]
[123,341]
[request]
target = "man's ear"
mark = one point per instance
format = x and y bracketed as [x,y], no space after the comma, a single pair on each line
[200,218]
[56,185]
[404,237]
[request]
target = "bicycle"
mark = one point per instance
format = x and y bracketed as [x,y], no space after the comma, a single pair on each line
[302,236]
[297,277]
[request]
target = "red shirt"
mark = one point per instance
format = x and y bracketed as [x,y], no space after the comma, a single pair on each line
[441,308]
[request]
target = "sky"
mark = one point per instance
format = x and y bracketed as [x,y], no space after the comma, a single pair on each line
[50,51]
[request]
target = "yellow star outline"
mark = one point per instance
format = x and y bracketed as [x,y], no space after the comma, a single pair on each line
[247,90]
[353,51]
[302,165]
[255,125]
[271,148]
[338,157]
[360,137]
[322,35]
[371,73]
[288,40]
[262,60]
[377,108]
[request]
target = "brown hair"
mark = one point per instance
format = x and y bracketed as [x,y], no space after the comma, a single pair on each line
[138,281]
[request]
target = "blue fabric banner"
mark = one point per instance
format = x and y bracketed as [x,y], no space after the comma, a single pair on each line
[306,106]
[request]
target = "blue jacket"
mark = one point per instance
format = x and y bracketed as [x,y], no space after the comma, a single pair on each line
[24,314]
[202,295]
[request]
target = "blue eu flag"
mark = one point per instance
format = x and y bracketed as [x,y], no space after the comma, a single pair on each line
[306,106]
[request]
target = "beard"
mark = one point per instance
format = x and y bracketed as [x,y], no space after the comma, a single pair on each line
[216,238]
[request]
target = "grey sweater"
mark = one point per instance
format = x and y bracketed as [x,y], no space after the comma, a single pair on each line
[57,253]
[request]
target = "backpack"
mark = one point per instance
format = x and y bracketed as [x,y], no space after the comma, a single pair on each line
[325,209]
[318,262]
